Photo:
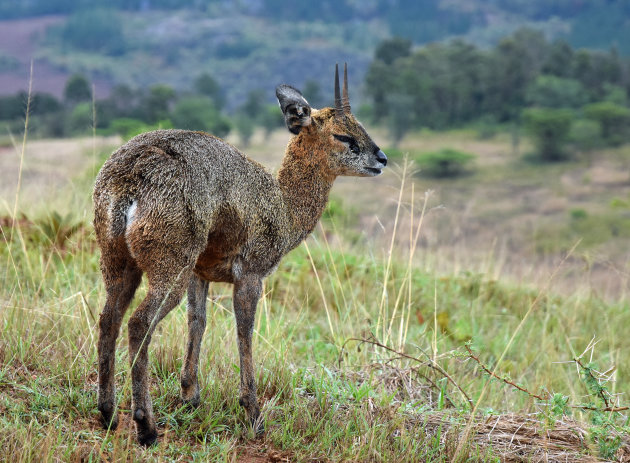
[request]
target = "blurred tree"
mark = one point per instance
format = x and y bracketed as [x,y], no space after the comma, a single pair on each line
[518,60]
[206,85]
[559,60]
[44,103]
[77,89]
[156,104]
[80,119]
[312,93]
[586,135]
[549,129]
[271,118]
[199,113]
[550,91]
[123,100]
[244,127]
[13,106]
[380,78]
[378,81]
[400,119]
[613,119]
[253,105]
[388,51]
[615,94]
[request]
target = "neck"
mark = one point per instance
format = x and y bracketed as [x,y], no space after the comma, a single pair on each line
[305,181]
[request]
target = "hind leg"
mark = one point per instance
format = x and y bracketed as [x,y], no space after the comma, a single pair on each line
[122,277]
[197,294]
[163,295]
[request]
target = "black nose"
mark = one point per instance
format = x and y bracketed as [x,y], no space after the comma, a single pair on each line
[381,157]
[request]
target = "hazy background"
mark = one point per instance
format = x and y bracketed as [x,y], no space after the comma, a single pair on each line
[515,112]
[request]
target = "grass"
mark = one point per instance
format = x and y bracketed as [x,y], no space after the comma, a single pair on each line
[325,397]
[360,349]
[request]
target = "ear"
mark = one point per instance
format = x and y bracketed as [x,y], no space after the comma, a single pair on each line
[296,110]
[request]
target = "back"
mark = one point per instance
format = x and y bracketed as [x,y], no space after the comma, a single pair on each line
[173,173]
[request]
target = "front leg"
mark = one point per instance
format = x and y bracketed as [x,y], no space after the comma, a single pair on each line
[247,290]
[197,294]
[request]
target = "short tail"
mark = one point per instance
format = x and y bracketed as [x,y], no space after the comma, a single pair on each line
[111,214]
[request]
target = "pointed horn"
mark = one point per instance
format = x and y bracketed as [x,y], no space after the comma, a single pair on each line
[345,101]
[338,107]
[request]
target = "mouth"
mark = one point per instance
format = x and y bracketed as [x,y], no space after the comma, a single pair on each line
[374,171]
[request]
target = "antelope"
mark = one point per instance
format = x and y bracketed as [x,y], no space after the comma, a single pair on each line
[187,208]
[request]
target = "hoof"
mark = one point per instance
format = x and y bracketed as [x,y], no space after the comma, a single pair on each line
[259,426]
[193,403]
[148,437]
[109,418]
[253,412]
[147,434]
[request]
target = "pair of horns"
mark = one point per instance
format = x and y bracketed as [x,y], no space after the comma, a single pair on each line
[342,104]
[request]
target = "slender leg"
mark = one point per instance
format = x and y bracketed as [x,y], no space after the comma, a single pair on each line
[197,294]
[120,292]
[160,300]
[247,291]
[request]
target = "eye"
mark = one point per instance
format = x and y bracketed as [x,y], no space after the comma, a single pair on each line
[352,143]
[345,139]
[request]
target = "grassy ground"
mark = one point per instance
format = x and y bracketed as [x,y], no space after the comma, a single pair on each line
[361,346]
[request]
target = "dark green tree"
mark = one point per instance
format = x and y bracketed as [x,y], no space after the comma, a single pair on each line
[549,129]
[388,51]
[156,103]
[206,85]
[244,127]
[13,106]
[199,113]
[80,120]
[556,92]
[271,118]
[77,89]
[613,119]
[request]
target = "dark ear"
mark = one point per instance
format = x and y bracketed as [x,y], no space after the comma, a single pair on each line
[296,110]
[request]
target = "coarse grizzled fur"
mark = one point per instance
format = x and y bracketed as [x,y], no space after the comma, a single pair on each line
[187,208]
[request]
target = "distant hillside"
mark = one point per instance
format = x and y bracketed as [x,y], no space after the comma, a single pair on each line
[260,43]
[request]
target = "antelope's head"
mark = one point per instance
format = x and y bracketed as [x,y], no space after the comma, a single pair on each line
[331,132]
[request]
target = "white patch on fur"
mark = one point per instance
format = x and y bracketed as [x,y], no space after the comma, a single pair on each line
[131,213]
[237,269]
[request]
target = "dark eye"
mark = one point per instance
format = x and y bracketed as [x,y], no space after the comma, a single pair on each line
[349,140]
[345,139]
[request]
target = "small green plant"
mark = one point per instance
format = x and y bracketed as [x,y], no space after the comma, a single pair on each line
[578,214]
[608,423]
[446,162]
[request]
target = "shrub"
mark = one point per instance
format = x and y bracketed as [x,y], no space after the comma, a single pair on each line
[80,119]
[446,162]
[549,129]
[612,118]
[585,135]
